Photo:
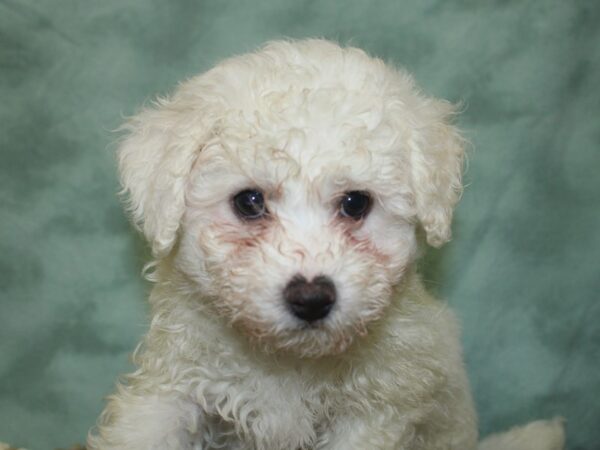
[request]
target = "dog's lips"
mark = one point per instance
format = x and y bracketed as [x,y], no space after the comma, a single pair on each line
[319,324]
[303,339]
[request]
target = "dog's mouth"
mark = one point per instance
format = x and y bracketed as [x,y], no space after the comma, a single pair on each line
[304,339]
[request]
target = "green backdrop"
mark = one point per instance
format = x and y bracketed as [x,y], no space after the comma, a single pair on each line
[522,270]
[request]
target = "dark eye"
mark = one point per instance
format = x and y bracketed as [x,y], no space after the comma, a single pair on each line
[355,204]
[249,204]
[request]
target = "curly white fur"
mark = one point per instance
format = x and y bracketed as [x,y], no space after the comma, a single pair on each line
[224,363]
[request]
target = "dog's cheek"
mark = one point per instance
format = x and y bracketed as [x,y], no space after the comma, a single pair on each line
[363,244]
[209,235]
[391,249]
[246,242]
[229,247]
[379,255]
[393,244]
[239,264]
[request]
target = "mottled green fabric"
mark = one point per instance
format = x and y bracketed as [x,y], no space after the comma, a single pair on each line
[522,270]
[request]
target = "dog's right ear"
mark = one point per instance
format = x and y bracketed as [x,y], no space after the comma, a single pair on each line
[155,159]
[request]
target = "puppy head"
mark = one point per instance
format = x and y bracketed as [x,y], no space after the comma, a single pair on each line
[294,179]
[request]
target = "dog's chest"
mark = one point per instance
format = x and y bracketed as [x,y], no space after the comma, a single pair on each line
[270,412]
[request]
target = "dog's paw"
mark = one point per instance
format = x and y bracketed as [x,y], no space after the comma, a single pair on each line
[4,446]
[538,435]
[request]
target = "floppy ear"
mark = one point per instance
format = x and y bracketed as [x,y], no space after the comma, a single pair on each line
[155,159]
[436,159]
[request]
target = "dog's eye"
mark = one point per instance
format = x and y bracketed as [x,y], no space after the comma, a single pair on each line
[250,204]
[355,204]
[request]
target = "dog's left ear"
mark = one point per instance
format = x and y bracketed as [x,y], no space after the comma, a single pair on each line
[436,159]
[155,159]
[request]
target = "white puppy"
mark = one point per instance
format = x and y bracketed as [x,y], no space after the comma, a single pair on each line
[285,194]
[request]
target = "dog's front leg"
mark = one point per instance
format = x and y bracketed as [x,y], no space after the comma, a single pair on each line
[386,429]
[147,421]
[381,430]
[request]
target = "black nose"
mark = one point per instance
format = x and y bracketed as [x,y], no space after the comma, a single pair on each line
[310,301]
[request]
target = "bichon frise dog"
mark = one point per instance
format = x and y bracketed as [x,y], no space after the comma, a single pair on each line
[285,194]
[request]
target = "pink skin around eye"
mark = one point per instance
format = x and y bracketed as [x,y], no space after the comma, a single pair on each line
[364,245]
[358,238]
[244,236]
[241,236]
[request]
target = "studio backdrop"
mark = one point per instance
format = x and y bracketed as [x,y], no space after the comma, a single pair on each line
[522,271]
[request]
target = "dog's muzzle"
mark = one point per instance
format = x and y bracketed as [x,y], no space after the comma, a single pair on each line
[310,300]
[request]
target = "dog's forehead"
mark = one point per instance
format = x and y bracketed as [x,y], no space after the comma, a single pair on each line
[315,129]
[277,122]
[347,153]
